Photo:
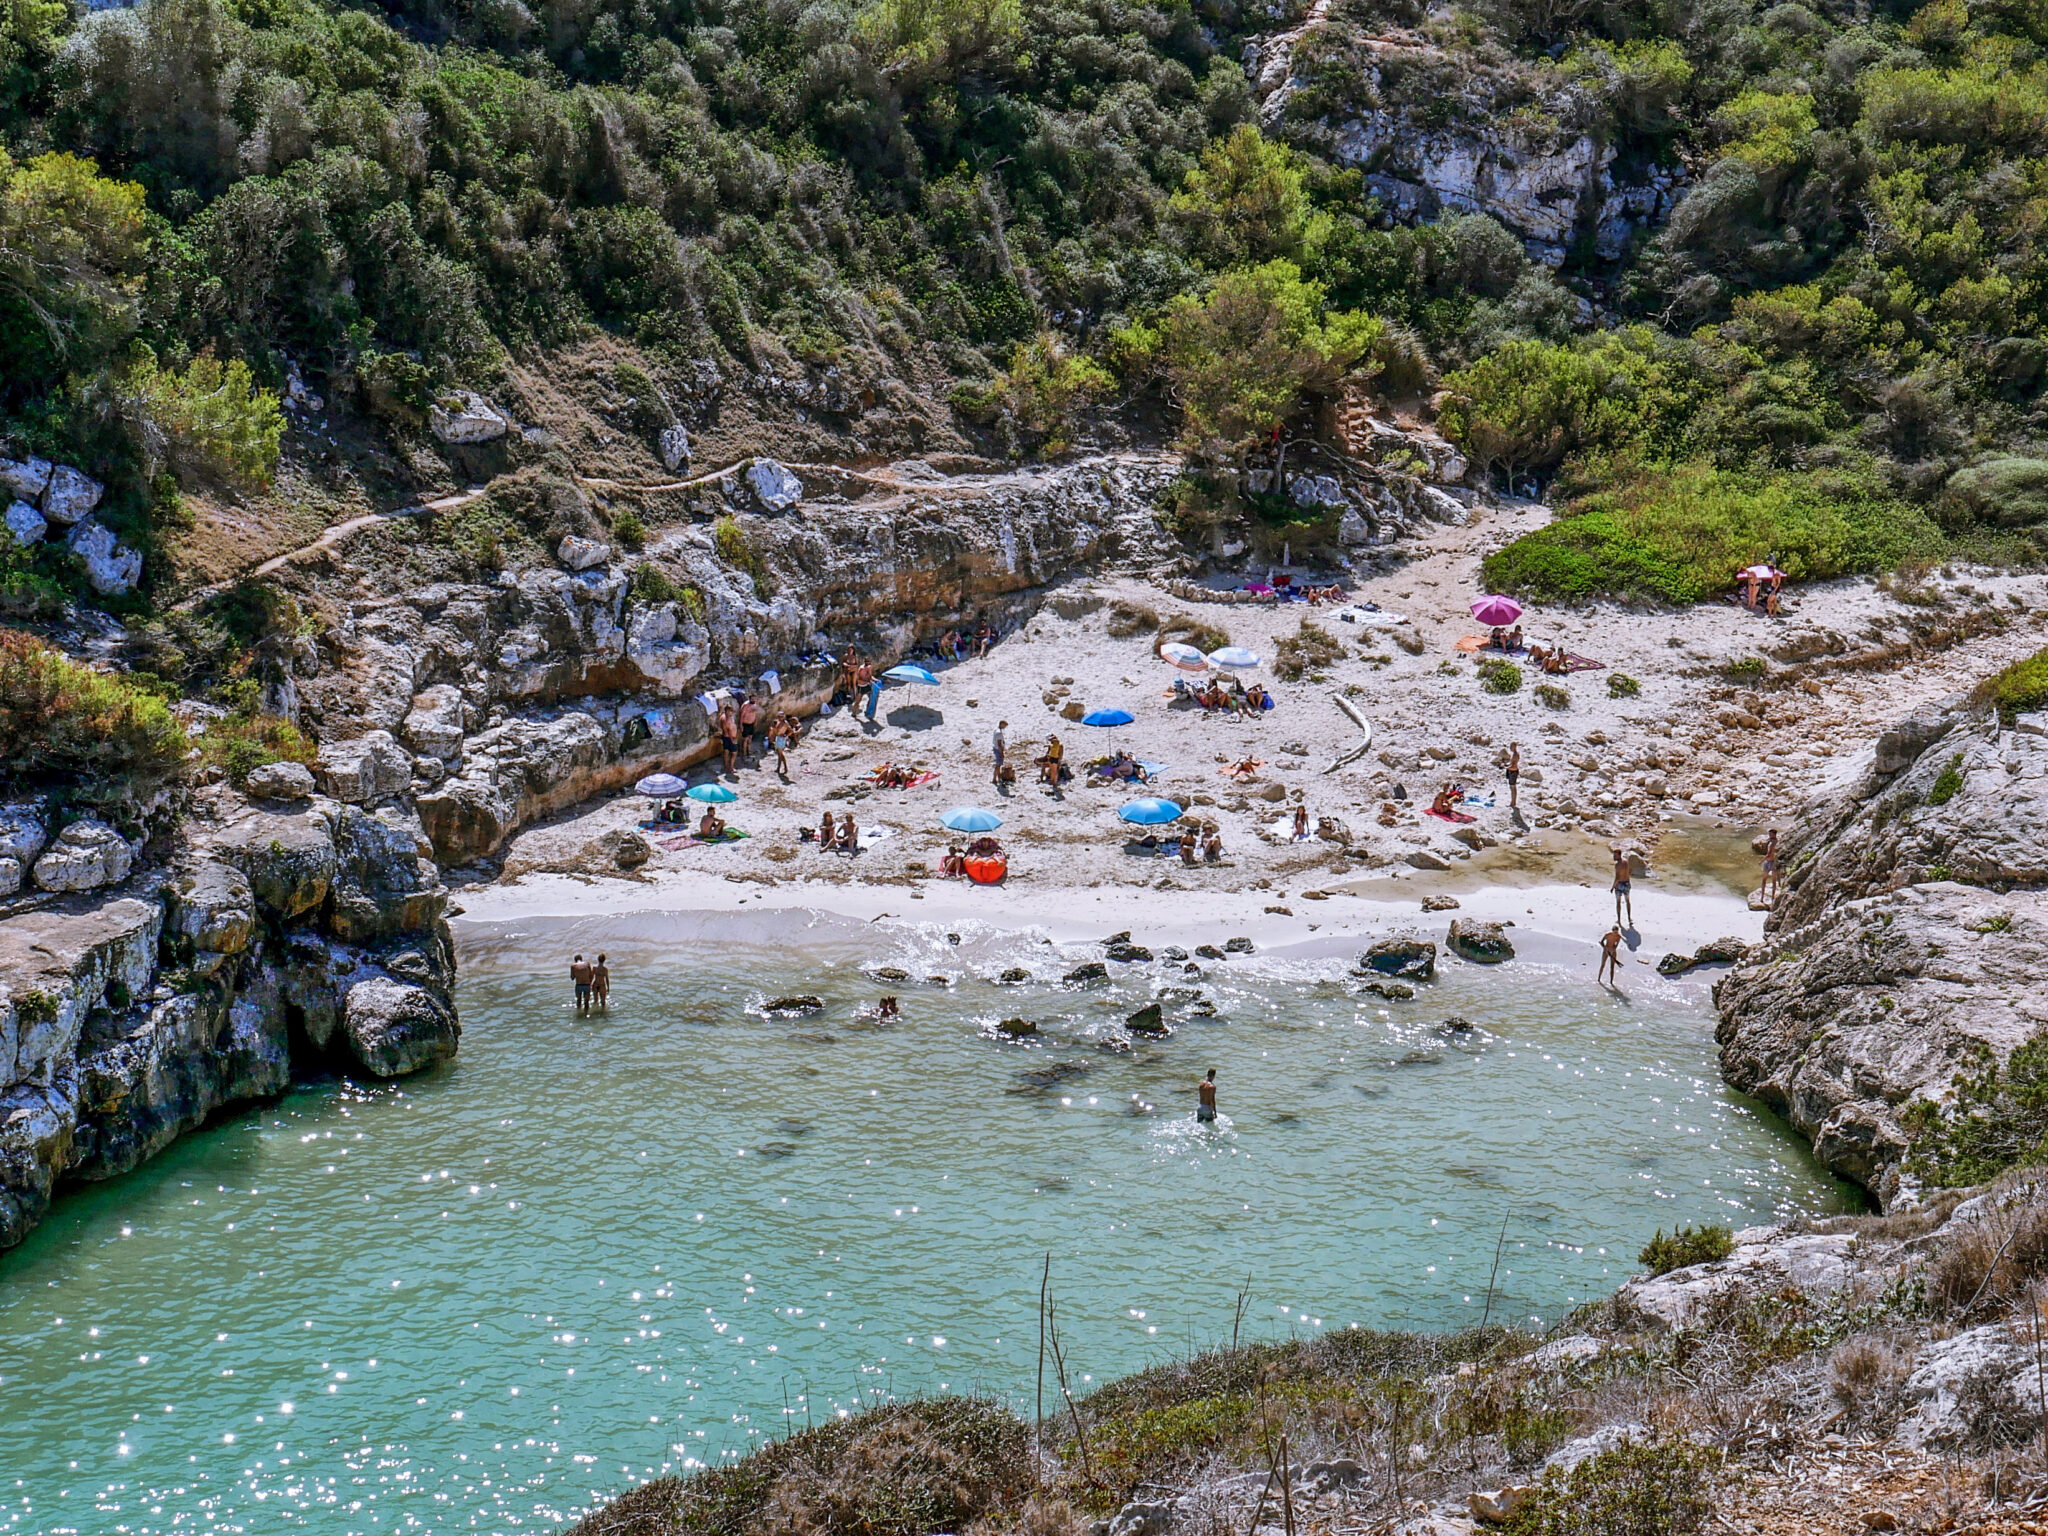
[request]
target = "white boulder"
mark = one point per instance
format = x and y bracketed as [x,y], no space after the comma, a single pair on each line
[674,447]
[71,494]
[111,566]
[22,834]
[10,876]
[366,769]
[466,417]
[1316,491]
[26,478]
[774,485]
[580,554]
[86,855]
[25,525]
[434,725]
[281,781]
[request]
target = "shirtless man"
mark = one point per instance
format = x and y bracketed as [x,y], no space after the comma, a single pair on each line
[1514,774]
[1610,957]
[1621,889]
[581,972]
[1205,1092]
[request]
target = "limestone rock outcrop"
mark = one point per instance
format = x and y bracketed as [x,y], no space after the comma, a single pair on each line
[1912,939]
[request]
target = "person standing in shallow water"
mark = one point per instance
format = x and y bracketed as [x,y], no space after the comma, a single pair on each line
[601,983]
[1609,973]
[581,973]
[1205,1093]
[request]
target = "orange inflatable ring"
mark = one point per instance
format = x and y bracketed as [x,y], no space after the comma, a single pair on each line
[987,871]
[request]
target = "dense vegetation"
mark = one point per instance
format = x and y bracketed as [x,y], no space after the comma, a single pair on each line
[1831,352]
[1996,1119]
[67,728]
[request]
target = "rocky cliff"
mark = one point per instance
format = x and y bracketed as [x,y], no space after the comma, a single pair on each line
[1912,935]
[288,938]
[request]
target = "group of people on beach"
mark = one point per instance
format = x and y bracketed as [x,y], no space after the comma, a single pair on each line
[739,732]
[592,981]
[838,836]
[1234,699]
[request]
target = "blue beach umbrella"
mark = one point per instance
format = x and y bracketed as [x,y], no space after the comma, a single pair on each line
[660,786]
[969,818]
[909,674]
[1150,811]
[1108,717]
[1234,656]
[715,794]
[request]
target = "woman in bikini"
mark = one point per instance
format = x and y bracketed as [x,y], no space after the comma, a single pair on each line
[828,833]
[1770,885]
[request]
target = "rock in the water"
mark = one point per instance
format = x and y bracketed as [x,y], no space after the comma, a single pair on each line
[1713,952]
[787,1007]
[25,478]
[366,770]
[890,973]
[85,856]
[70,495]
[673,444]
[1237,946]
[395,1027]
[1455,1026]
[25,525]
[280,781]
[1208,951]
[1174,952]
[1127,953]
[774,486]
[112,567]
[1480,942]
[1013,975]
[1093,970]
[1410,958]
[1393,991]
[466,417]
[1148,1020]
[580,554]
[1016,1027]
[1428,858]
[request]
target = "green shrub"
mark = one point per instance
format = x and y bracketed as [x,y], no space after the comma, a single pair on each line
[1497,675]
[1550,696]
[1996,1118]
[62,722]
[248,739]
[629,530]
[1745,669]
[1686,1246]
[1621,686]
[1947,782]
[2018,689]
[1312,647]
[1189,630]
[1679,535]
[651,585]
[738,551]
[36,1006]
[209,422]
[1636,1489]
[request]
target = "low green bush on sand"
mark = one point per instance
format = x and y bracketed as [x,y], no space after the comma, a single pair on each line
[2016,690]
[1679,535]
[1637,1489]
[1498,676]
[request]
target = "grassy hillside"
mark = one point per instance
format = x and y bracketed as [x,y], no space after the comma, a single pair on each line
[1002,216]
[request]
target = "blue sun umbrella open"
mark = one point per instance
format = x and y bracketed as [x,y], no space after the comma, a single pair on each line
[909,674]
[714,794]
[969,818]
[1234,656]
[660,786]
[1108,717]
[1150,811]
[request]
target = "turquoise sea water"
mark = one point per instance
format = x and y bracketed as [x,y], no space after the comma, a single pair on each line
[592,1250]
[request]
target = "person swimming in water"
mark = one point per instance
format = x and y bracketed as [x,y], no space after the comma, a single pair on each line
[1205,1092]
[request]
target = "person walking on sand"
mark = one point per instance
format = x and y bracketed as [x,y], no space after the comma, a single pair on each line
[728,736]
[1769,892]
[581,973]
[1205,1095]
[1609,973]
[601,983]
[1514,775]
[750,729]
[1622,898]
[999,748]
[867,680]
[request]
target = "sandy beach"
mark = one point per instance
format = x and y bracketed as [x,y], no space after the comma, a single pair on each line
[1697,750]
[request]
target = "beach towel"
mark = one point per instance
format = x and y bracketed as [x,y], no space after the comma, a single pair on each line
[1456,816]
[732,835]
[1574,663]
[1485,800]
[869,836]
[1472,643]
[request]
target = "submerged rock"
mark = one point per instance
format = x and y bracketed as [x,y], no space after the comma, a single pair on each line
[1014,975]
[1148,1020]
[1016,1027]
[1481,943]
[1393,991]
[1093,970]
[1128,953]
[788,1007]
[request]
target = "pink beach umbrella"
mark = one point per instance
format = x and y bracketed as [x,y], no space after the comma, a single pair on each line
[1496,611]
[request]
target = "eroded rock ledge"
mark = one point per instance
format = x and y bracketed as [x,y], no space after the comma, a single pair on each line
[312,937]
[1912,936]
